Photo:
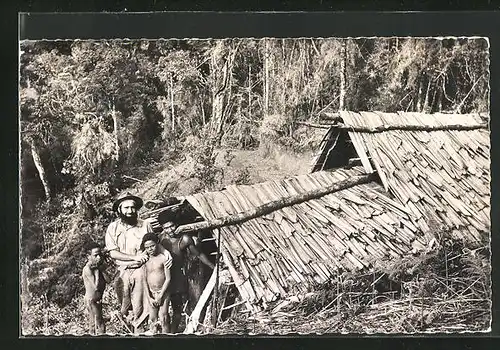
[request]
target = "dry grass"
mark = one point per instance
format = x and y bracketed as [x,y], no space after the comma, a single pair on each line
[39,317]
[445,291]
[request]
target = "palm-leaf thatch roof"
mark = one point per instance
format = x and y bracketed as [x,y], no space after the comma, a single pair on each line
[436,165]
[293,249]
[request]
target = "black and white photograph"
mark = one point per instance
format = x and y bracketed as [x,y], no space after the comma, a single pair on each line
[254,186]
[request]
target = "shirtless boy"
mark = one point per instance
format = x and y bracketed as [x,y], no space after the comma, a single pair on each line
[94,282]
[157,276]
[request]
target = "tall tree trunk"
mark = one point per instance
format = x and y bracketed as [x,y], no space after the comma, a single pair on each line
[222,66]
[227,106]
[250,92]
[203,112]
[426,99]
[35,153]
[440,100]
[419,95]
[114,115]
[217,91]
[266,77]
[343,64]
[217,113]
[172,101]
[432,101]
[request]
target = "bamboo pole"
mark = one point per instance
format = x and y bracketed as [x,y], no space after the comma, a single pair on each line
[274,205]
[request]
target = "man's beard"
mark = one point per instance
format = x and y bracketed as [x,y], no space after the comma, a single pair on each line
[96,264]
[130,220]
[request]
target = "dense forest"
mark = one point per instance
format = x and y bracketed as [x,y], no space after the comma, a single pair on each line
[93,114]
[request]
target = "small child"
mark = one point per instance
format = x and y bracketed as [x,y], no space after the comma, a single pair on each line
[157,276]
[95,283]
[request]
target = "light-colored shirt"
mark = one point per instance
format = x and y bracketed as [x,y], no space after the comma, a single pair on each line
[127,239]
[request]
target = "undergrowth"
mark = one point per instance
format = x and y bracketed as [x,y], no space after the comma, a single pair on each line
[447,290]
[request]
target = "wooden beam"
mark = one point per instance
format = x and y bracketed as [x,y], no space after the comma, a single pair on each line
[156,212]
[318,126]
[382,128]
[274,205]
[330,116]
[132,178]
[234,305]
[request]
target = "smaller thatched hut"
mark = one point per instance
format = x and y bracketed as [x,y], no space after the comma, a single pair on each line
[436,165]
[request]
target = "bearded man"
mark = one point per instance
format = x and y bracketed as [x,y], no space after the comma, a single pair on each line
[123,242]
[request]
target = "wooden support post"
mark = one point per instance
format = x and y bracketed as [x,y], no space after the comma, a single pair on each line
[216,293]
[195,315]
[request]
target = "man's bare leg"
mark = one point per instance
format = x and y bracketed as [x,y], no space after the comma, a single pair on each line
[176,300]
[122,286]
[137,295]
[90,312]
[153,319]
[164,315]
[99,326]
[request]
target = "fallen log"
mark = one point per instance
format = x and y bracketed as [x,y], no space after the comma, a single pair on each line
[382,128]
[274,205]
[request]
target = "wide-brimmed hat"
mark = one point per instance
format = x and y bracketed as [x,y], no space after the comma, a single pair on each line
[125,196]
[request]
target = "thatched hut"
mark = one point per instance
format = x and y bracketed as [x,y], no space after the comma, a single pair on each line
[419,176]
[436,165]
[294,248]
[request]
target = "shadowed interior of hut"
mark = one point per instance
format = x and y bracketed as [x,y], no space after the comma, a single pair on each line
[336,150]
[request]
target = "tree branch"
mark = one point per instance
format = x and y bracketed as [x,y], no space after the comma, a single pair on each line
[466,96]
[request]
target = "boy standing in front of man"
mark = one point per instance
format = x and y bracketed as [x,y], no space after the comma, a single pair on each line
[94,282]
[157,279]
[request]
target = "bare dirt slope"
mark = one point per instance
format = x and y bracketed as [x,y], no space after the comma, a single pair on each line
[238,167]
